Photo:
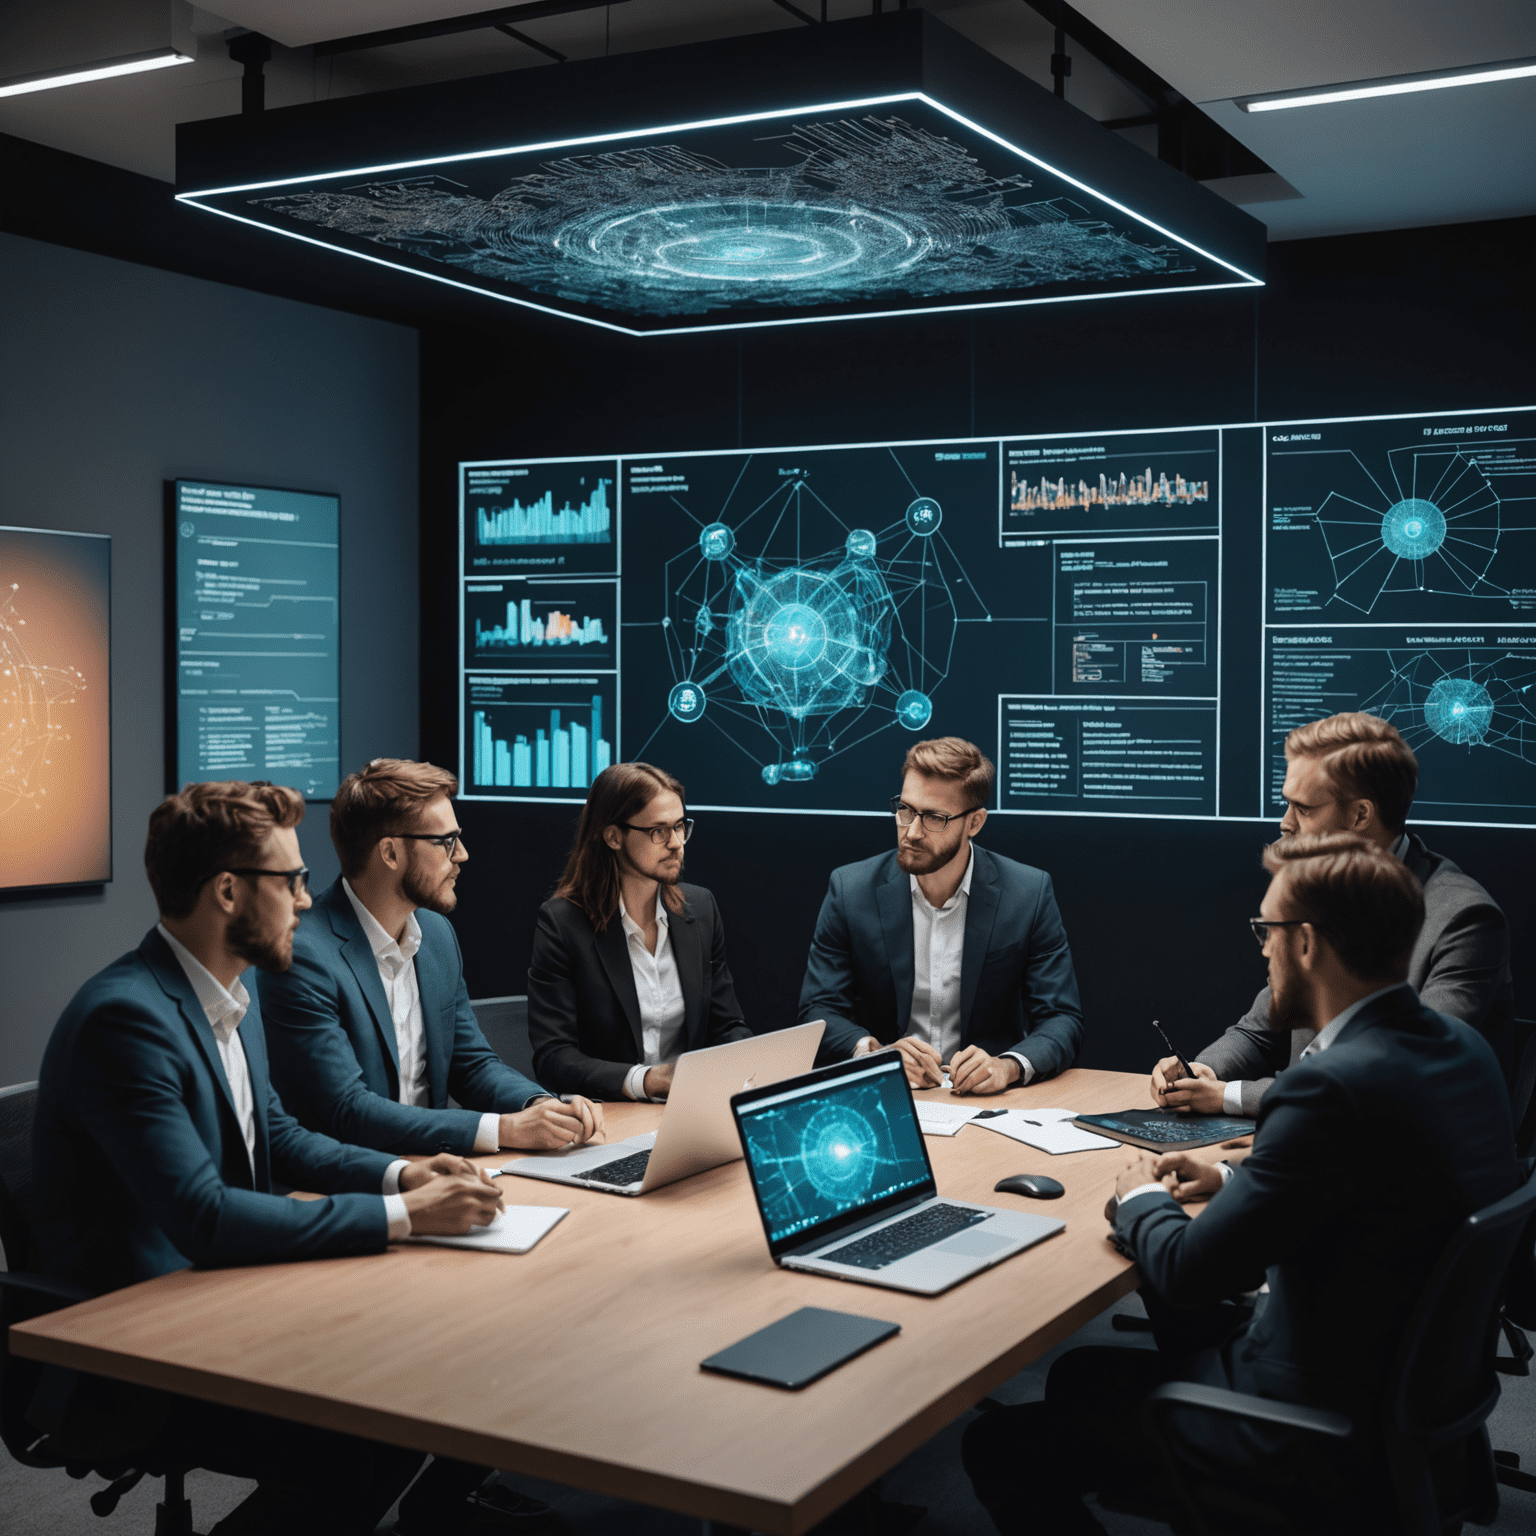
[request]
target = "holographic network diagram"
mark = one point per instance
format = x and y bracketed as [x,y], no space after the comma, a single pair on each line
[1474,699]
[36,702]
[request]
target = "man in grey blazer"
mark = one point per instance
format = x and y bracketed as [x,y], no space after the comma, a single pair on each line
[1355,773]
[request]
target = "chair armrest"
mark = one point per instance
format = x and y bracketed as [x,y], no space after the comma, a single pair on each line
[1189,1394]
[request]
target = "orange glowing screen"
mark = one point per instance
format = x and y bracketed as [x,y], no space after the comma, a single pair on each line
[55,719]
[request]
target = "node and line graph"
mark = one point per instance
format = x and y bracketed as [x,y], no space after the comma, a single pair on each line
[797,634]
[1473,698]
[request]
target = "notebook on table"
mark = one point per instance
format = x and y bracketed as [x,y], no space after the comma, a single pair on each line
[1158,1131]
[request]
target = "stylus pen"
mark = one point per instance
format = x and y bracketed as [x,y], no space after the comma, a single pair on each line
[1183,1065]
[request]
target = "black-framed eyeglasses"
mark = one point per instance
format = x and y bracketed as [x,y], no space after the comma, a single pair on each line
[933,821]
[1262,925]
[298,879]
[447,841]
[661,836]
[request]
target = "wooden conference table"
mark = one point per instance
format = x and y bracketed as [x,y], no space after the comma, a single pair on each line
[579,1362]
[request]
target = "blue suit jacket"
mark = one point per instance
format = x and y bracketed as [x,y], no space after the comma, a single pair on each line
[1366,1157]
[334,1055]
[1018,990]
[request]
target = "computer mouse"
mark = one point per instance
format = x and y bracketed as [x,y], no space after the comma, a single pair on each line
[1035,1185]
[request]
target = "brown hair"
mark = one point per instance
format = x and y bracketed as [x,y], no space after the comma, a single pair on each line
[1367,904]
[206,828]
[387,796]
[952,757]
[591,878]
[1365,758]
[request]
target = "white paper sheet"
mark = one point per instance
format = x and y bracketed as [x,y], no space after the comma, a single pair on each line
[935,1119]
[1048,1130]
[515,1230]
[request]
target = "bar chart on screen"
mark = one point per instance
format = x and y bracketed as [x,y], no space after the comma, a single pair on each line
[538,735]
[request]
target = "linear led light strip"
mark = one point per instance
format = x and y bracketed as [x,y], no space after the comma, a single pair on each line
[101,69]
[1391,85]
[714,122]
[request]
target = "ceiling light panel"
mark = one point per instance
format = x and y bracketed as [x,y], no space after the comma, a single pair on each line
[874,167]
[1400,85]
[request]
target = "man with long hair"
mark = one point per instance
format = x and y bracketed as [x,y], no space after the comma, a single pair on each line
[371,1026]
[629,967]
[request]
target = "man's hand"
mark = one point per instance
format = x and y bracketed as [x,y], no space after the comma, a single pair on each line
[414,1175]
[1187,1176]
[449,1204]
[973,1071]
[1140,1168]
[658,1080]
[924,1069]
[550,1125]
[1201,1094]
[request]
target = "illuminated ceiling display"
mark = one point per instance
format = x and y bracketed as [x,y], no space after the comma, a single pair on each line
[924,195]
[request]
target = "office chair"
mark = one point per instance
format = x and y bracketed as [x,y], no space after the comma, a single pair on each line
[23,1295]
[504,1023]
[1439,1394]
[1523,1089]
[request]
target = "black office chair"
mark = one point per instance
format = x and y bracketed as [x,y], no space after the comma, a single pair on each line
[504,1023]
[1441,1390]
[1523,1089]
[24,1295]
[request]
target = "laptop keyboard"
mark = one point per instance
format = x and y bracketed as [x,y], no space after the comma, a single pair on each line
[906,1237]
[621,1171]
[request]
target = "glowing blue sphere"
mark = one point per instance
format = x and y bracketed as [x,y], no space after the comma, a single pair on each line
[924,517]
[686,702]
[837,1151]
[861,544]
[1413,529]
[716,542]
[797,770]
[914,710]
[796,636]
[1458,710]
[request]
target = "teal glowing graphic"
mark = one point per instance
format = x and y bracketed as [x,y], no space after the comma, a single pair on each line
[1458,710]
[525,629]
[924,517]
[1413,529]
[716,542]
[569,755]
[686,702]
[914,709]
[838,1150]
[540,523]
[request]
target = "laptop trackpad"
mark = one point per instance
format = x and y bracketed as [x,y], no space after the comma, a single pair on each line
[971,1245]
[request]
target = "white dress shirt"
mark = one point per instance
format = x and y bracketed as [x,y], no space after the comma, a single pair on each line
[397,971]
[938,956]
[225,1007]
[660,991]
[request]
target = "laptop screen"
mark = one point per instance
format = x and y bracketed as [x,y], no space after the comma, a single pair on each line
[829,1150]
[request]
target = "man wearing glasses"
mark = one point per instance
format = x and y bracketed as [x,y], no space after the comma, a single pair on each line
[629,967]
[953,955]
[370,1027]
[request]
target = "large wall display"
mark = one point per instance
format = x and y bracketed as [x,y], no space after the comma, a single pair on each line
[784,622]
[55,708]
[255,603]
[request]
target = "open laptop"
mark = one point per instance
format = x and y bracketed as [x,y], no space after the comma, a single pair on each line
[697,1131]
[844,1186]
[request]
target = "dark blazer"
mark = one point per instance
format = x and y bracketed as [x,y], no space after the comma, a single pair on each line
[584,1011]
[139,1166]
[1366,1157]
[335,1059]
[1018,990]
[1459,966]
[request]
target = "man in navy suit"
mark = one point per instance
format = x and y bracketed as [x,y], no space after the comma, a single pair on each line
[953,955]
[158,1141]
[1390,1130]
[370,1028]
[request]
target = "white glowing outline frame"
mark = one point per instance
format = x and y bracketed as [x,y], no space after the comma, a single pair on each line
[1246,279]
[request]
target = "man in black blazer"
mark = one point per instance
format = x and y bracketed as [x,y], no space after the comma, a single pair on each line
[953,955]
[629,967]
[1391,1130]
[370,1028]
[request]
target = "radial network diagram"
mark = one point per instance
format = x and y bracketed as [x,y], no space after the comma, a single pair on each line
[798,636]
[1434,529]
[34,711]
[1461,700]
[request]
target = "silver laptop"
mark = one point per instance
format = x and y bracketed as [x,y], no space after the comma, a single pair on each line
[844,1186]
[697,1131]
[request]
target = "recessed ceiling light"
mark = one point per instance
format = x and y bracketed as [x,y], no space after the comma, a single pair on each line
[1391,85]
[101,69]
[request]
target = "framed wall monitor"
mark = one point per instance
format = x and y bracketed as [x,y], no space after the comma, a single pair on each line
[55,709]
[1128,621]
[254,644]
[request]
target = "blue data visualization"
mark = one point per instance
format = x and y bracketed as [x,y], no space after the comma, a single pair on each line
[538,518]
[545,736]
[834,1149]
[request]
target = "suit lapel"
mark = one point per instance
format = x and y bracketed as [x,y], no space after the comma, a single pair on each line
[358,953]
[980,915]
[437,986]
[253,1041]
[613,951]
[894,897]
[685,934]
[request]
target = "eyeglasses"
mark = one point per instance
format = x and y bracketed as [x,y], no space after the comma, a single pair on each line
[298,879]
[933,821]
[447,841]
[661,836]
[1262,925]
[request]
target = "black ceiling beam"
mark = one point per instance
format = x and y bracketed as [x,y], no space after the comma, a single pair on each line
[1115,57]
[794,10]
[479,21]
[532,42]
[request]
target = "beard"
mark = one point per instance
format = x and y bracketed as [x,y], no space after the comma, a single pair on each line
[441,898]
[265,950]
[923,859]
[1289,1002]
[671,874]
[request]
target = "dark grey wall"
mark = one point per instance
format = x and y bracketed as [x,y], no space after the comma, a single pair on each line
[116,377]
